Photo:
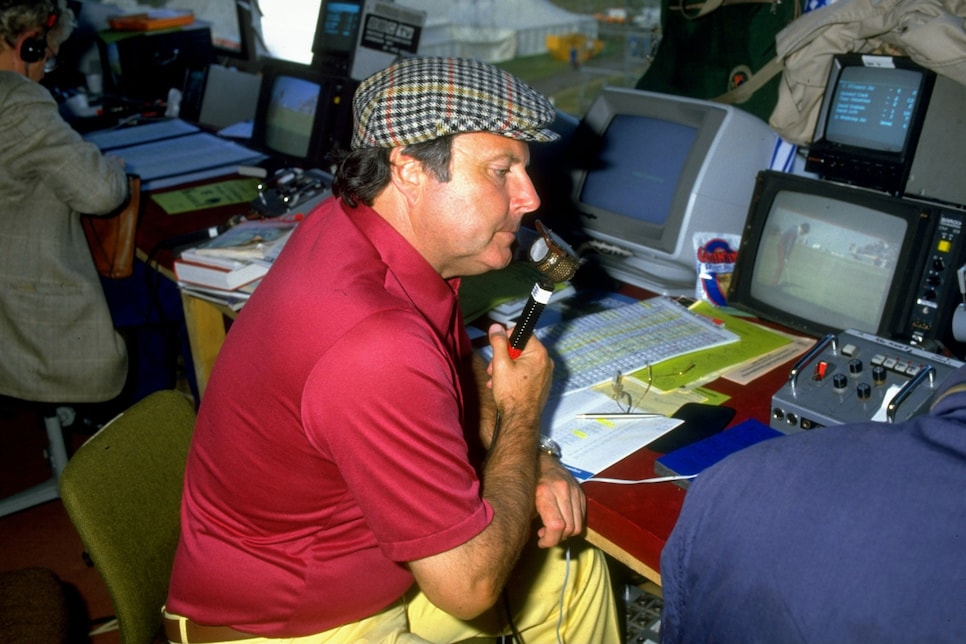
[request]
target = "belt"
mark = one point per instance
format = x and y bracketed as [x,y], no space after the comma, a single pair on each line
[201,634]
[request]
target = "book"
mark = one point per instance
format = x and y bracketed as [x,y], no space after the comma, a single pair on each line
[254,239]
[219,274]
[153,19]
[699,456]
[234,300]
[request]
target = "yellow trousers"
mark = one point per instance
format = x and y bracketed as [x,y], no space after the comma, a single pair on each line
[553,597]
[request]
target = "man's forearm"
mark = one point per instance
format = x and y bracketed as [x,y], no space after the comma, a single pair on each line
[509,484]
[487,405]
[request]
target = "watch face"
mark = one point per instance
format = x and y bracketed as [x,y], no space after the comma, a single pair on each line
[550,446]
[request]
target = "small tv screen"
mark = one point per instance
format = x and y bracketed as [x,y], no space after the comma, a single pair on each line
[828,259]
[338,26]
[872,108]
[291,115]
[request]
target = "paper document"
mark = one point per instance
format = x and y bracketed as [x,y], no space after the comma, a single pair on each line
[181,155]
[121,137]
[172,152]
[590,446]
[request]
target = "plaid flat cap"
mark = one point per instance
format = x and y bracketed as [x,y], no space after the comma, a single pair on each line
[421,99]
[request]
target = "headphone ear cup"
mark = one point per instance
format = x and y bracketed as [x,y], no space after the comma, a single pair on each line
[32,49]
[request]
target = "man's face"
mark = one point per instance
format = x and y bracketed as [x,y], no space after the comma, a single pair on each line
[467,225]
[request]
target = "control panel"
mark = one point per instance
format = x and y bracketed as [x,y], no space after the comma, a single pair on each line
[291,188]
[935,295]
[854,377]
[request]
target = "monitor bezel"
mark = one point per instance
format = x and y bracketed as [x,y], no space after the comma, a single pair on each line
[769,183]
[329,126]
[661,239]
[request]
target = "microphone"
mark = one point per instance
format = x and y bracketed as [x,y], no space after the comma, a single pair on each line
[557,262]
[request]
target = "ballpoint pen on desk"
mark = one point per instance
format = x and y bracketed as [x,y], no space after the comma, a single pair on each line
[621,415]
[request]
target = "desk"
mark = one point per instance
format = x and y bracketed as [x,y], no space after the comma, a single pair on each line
[631,523]
[205,321]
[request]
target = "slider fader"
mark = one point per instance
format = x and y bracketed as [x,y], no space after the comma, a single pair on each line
[855,377]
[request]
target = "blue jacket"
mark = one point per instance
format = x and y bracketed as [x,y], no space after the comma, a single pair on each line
[853,533]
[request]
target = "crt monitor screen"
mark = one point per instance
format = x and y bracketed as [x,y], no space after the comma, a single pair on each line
[291,115]
[654,169]
[654,177]
[870,120]
[821,257]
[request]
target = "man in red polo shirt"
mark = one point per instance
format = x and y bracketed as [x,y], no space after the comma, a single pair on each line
[345,482]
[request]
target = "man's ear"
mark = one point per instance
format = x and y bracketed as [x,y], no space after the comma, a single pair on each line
[407,173]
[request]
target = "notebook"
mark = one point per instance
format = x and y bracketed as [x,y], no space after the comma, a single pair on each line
[697,457]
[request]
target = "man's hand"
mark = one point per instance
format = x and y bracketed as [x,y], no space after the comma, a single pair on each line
[560,503]
[523,383]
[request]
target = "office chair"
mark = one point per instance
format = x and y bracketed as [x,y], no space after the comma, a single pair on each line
[122,491]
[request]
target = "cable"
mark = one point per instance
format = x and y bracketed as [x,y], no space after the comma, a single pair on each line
[563,592]
[515,635]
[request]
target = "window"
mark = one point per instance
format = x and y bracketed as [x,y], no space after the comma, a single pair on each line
[288,28]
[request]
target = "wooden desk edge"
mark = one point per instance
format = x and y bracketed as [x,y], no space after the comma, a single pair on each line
[205,322]
[609,547]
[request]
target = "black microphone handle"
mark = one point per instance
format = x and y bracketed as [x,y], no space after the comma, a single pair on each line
[539,297]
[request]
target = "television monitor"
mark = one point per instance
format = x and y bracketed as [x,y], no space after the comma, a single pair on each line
[336,35]
[302,114]
[821,257]
[936,172]
[654,169]
[146,65]
[869,122]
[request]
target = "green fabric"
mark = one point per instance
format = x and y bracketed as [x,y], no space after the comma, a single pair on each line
[122,491]
[698,57]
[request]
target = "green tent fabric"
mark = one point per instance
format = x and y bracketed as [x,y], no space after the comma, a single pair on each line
[706,54]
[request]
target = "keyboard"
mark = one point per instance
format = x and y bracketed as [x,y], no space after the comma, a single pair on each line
[590,349]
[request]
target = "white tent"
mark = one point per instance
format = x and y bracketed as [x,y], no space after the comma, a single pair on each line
[494,30]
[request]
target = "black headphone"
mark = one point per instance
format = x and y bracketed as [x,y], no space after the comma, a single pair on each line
[34,48]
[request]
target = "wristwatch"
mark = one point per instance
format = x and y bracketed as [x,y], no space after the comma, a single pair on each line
[549,446]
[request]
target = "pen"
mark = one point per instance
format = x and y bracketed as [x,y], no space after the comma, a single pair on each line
[617,416]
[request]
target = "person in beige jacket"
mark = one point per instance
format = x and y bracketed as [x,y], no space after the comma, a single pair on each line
[58,341]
